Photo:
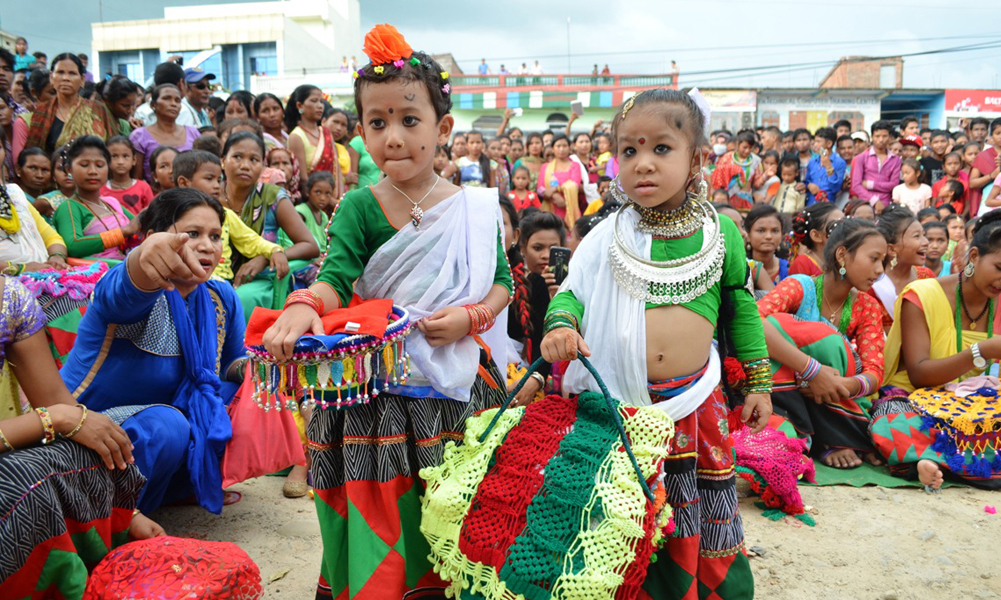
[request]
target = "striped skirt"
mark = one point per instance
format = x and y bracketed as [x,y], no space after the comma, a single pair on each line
[61,511]
[366,463]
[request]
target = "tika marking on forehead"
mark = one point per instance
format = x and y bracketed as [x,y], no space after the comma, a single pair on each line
[411,97]
[391,111]
[642,141]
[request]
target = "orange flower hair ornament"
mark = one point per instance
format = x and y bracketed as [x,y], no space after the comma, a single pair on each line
[384,44]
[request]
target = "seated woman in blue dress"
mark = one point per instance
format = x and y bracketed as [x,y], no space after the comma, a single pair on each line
[163,345]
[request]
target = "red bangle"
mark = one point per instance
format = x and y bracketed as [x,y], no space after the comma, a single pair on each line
[307,297]
[481,318]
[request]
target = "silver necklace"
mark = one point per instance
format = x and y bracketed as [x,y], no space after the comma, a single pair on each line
[416,213]
[675,281]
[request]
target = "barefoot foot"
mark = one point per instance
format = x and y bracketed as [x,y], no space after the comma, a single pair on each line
[930,474]
[874,459]
[844,458]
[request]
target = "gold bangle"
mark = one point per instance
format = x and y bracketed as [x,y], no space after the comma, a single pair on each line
[79,425]
[50,432]
[6,444]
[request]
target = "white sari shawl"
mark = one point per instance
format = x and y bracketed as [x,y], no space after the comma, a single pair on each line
[614,325]
[449,261]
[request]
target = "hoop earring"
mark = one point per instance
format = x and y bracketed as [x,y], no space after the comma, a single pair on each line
[618,195]
[969,270]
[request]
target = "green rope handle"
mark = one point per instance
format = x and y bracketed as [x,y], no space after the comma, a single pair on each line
[608,400]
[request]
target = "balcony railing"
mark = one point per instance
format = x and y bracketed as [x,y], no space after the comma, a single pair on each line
[563,81]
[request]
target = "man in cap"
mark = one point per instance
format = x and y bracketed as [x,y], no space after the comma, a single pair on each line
[195,104]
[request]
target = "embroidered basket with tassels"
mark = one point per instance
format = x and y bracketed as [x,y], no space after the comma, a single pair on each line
[337,370]
[968,428]
[562,500]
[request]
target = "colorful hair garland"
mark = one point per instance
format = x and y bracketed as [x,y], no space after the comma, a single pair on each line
[385,45]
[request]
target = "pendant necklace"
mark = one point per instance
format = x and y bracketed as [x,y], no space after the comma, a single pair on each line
[416,213]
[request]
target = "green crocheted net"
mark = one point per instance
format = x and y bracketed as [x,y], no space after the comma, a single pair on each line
[584,526]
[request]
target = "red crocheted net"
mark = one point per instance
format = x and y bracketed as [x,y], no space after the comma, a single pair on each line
[779,461]
[169,567]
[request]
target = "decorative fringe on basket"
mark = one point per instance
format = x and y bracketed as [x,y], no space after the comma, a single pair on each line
[966,430]
[355,369]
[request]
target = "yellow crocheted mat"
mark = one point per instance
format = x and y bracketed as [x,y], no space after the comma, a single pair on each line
[974,415]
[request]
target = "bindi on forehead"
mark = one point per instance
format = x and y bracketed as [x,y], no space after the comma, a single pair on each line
[390,111]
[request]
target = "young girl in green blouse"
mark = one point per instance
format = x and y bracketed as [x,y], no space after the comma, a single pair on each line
[436,250]
[649,290]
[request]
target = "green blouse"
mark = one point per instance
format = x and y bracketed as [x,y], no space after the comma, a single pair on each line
[71,219]
[358,229]
[745,330]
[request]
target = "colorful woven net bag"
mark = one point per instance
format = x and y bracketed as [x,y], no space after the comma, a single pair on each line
[562,500]
[966,429]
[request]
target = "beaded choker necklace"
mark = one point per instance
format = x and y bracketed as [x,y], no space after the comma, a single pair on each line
[675,281]
[675,223]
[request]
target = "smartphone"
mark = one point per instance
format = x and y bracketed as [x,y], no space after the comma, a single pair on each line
[559,261]
[577,108]
[518,111]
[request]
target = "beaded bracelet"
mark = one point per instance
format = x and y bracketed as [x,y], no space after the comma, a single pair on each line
[307,297]
[865,388]
[481,318]
[79,425]
[50,432]
[811,370]
[6,444]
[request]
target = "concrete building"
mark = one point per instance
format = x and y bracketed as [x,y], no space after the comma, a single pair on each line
[236,42]
[7,40]
[862,72]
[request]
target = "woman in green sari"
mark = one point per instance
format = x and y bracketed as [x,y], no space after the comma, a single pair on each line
[266,209]
[69,116]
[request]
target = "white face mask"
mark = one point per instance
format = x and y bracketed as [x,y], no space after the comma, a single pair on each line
[719,149]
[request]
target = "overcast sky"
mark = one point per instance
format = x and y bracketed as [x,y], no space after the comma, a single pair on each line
[796,41]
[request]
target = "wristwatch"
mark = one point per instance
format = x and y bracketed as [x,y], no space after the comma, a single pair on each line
[978,360]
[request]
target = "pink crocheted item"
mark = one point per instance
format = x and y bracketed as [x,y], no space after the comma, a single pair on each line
[76,282]
[779,461]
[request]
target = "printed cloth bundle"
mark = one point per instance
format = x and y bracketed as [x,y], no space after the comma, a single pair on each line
[551,501]
[170,567]
[965,428]
[363,348]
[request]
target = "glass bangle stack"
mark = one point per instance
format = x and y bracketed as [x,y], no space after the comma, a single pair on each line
[333,371]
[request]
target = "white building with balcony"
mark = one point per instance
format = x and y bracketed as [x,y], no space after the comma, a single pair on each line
[239,43]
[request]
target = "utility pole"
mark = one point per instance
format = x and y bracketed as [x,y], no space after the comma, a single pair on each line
[568,45]
[100,10]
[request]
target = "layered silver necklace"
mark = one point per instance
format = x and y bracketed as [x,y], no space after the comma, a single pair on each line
[676,281]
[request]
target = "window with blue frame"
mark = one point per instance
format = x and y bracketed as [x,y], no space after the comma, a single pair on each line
[264,65]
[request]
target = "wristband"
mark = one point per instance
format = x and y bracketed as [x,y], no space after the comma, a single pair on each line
[113,238]
[6,444]
[307,297]
[50,432]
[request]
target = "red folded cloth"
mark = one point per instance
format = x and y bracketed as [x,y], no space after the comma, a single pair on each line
[368,317]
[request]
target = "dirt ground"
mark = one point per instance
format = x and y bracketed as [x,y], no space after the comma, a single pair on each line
[869,543]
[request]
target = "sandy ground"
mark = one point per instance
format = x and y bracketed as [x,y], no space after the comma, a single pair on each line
[869,543]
